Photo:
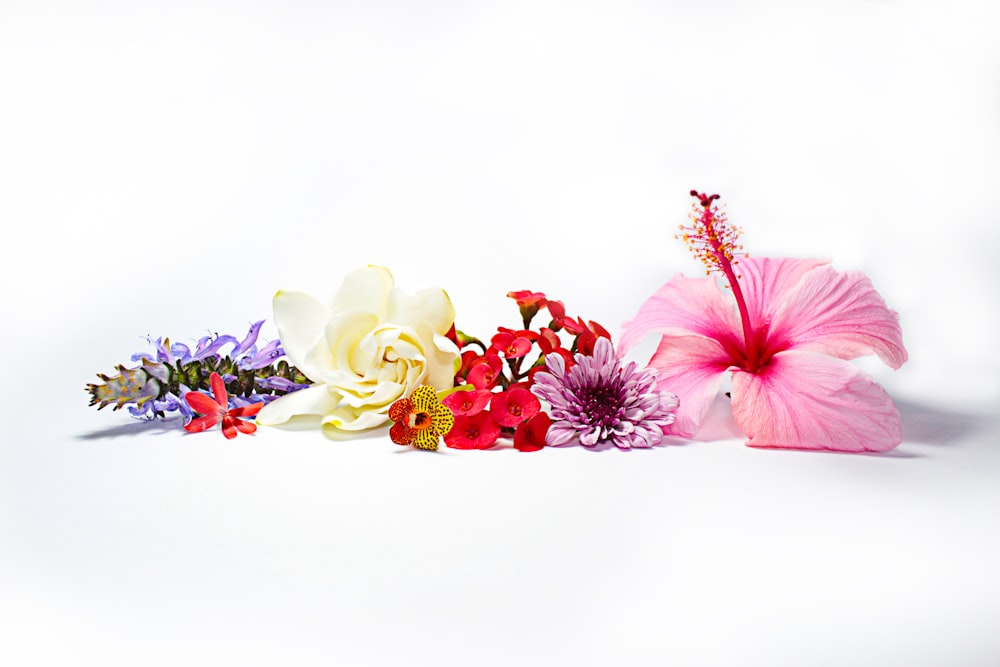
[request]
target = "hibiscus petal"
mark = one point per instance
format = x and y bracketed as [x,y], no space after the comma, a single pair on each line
[315,401]
[301,319]
[683,306]
[692,368]
[364,289]
[765,281]
[805,400]
[839,314]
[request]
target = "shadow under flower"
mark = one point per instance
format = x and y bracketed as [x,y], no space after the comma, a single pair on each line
[928,425]
[137,427]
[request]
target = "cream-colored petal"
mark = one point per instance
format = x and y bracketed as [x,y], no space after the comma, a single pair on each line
[345,336]
[317,400]
[430,306]
[352,419]
[300,319]
[441,358]
[365,289]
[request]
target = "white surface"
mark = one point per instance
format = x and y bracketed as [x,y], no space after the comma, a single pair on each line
[165,169]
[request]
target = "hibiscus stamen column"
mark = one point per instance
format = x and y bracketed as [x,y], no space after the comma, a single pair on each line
[715,242]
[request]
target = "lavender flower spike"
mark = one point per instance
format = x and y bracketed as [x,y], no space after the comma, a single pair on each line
[598,402]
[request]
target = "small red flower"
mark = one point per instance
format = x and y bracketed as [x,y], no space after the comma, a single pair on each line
[477,431]
[528,298]
[512,344]
[468,358]
[550,343]
[485,371]
[218,409]
[529,303]
[587,334]
[530,436]
[510,408]
[558,312]
[468,402]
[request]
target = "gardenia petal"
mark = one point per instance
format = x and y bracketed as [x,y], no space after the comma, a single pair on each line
[428,307]
[314,401]
[807,400]
[301,320]
[366,290]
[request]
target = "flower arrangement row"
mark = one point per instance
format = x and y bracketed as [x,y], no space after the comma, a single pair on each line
[782,330]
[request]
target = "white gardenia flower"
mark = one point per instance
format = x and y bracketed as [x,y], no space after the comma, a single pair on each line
[372,345]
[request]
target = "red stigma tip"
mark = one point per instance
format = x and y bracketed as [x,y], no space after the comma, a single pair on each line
[703,199]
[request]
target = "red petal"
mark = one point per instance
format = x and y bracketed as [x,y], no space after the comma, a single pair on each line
[219,389]
[401,434]
[201,423]
[199,402]
[229,427]
[247,410]
[530,436]
[400,410]
[245,426]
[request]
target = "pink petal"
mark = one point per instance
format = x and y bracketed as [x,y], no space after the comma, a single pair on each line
[765,281]
[683,306]
[804,400]
[691,367]
[839,314]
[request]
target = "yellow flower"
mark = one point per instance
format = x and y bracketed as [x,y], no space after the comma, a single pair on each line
[421,420]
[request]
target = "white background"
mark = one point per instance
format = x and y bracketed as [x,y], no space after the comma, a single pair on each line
[166,167]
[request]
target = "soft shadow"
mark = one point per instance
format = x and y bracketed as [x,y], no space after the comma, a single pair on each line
[131,429]
[934,426]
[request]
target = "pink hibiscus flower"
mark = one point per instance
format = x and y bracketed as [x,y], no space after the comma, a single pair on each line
[785,329]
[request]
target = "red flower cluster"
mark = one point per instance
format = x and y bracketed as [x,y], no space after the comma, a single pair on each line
[496,401]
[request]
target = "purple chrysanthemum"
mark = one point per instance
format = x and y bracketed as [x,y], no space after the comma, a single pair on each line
[598,401]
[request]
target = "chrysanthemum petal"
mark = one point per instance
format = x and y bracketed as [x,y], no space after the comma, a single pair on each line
[691,367]
[683,306]
[805,400]
[839,314]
